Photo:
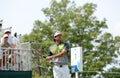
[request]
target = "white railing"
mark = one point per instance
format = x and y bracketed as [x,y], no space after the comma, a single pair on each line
[17,59]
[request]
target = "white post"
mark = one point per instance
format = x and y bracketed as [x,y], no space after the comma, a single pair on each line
[76,74]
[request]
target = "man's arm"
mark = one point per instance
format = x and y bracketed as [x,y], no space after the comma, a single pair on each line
[60,54]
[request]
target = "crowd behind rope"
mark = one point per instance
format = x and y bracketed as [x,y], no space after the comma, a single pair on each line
[8,45]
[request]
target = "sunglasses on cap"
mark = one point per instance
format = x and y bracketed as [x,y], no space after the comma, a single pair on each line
[6,37]
[58,35]
[7,32]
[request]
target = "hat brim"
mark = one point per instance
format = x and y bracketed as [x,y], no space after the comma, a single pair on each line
[5,36]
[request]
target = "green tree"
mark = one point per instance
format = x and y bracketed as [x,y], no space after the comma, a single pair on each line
[115,69]
[106,49]
[79,27]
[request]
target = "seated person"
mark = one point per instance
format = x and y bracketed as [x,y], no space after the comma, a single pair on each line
[5,45]
[1,55]
[10,38]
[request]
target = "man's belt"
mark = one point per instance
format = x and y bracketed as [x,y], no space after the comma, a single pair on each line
[59,65]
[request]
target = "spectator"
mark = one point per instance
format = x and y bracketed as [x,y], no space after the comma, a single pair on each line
[1,30]
[1,55]
[10,38]
[16,41]
[5,45]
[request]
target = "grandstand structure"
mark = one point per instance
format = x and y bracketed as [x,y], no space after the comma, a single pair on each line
[15,62]
[22,67]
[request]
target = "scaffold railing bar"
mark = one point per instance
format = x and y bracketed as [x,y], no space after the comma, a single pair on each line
[17,49]
[102,72]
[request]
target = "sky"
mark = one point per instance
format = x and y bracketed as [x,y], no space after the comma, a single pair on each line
[21,14]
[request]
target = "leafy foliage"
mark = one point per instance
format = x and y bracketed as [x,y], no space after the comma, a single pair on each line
[79,27]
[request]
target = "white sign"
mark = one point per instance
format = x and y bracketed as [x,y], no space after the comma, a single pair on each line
[76,59]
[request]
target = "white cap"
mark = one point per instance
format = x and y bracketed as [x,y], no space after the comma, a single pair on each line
[7,30]
[57,33]
[5,35]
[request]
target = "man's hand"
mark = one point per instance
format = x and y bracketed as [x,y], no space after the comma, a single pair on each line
[49,58]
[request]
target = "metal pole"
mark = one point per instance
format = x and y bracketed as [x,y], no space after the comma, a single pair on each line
[76,74]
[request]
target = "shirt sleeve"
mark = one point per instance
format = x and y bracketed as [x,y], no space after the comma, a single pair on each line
[10,39]
[66,47]
[49,53]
